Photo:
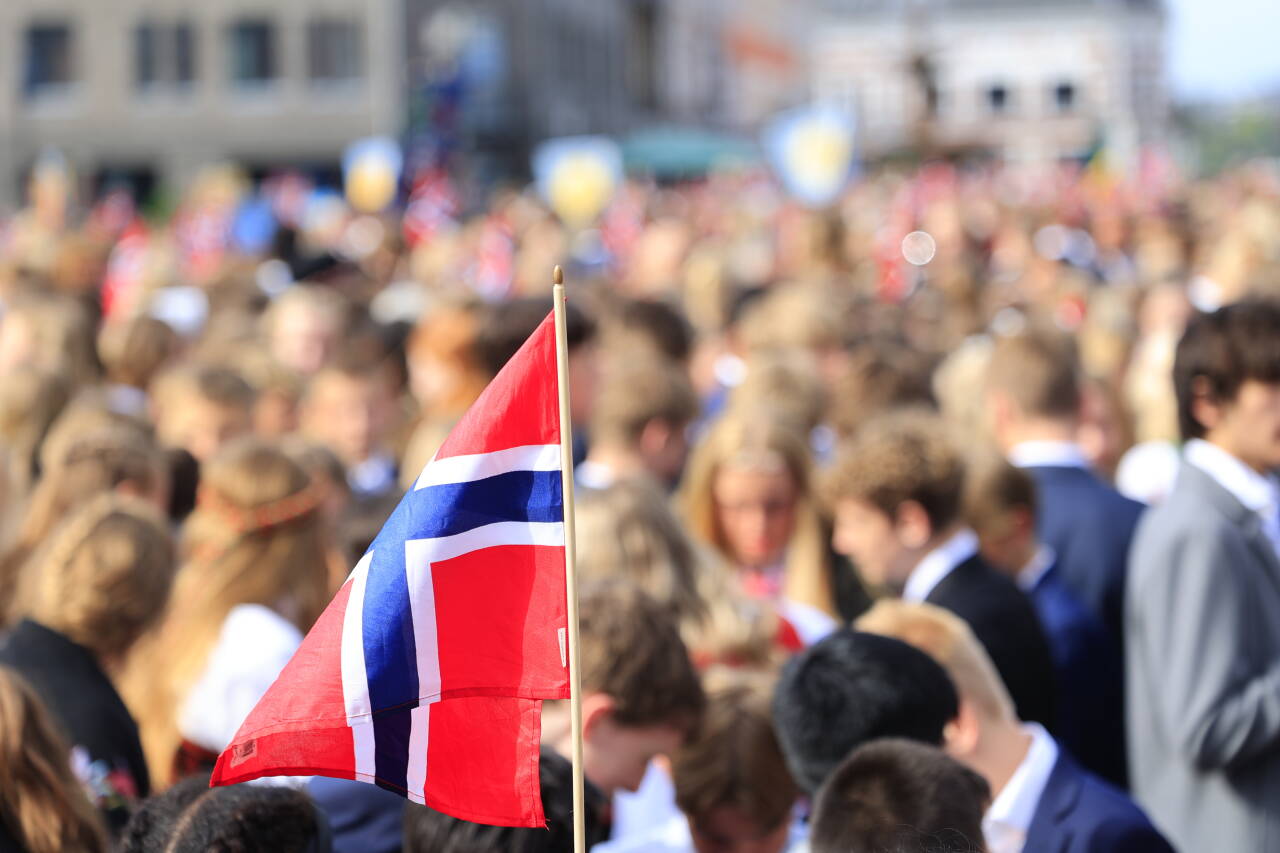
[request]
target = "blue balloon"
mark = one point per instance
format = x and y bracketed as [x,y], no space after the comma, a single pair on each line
[254,226]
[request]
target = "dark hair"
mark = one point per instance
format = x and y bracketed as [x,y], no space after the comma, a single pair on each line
[429,831]
[880,377]
[191,817]
[508,325]
[893,795]
[1234,344]
[852,688]
[184,482]
[661,324]
[1040,370]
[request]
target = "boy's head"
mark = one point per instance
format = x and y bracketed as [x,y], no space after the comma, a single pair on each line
[641,694]
[643,408]
[1000,506]
[305,325]
[1032,384]
[895,795]
[348,406]
[852,688]
[202,407]
[877,379]
[133,351]
[429,831]
[1226,374]
[731,779]
[896,492]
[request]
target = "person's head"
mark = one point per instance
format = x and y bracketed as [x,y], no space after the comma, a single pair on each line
[1000,506]
[348,406]
[133,351]
[305,325]
[445,372]
[42,804]
[851,688]
[786,382]
[202,407]
[430,831]
[30,400]
[986,716]
[656,325]
[506,327]
[1226,375]
[1032,388]
[641,695]
[731,779]
[896,490]
[900,795]
[102,578]
[49,332]
[191,817]
[643,409]
[879,378]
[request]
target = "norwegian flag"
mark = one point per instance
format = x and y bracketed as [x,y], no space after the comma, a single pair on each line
[433,205]
[493,269]
[425,674]
[126,267]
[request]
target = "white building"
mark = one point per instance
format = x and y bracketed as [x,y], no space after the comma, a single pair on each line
[1030,81]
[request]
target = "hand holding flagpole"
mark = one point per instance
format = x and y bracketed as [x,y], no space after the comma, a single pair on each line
[570,566]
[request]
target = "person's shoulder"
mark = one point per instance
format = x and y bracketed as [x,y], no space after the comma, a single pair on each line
[1111,819]
[670,837]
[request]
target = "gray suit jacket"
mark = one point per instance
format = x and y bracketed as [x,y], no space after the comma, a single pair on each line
[1202,639]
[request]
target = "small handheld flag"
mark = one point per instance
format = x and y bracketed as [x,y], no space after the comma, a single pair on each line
[426,673]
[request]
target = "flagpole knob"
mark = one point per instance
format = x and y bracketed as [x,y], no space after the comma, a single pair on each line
[557,275]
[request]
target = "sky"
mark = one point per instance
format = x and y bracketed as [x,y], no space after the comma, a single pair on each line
[1224,49]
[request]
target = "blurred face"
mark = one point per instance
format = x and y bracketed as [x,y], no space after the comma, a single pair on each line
[1249,426]
[870,538]
[303,338]
[615,757]
[726,829]
[350,414]
[584,375]
[201,427]
[755,511]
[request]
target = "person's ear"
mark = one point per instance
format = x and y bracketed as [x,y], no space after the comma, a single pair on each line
[960,736]
[1023,522]
[1205,408]
[912,525]
[654,437]
[596,708]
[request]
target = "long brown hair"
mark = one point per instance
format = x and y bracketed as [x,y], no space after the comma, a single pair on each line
[255,537]
[41,802]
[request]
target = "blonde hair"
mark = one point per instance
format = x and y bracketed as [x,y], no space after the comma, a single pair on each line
[747,438]
[787,382]
[255,537]
[948,640]
[62,334]
[41,801]
[627,530]
[103,578]
[30,400]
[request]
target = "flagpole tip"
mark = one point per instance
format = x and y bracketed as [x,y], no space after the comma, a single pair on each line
[557,275]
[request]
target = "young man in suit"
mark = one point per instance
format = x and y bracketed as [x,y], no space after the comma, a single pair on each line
[1203,603]
[897,492]
[1043,802]
[1033,400]
[1000,506]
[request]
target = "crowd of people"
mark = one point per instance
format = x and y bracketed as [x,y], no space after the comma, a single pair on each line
[941,519]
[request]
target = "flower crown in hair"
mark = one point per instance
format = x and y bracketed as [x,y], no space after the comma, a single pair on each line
[242,520]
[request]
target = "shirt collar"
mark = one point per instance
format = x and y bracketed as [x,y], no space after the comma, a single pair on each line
[1015,805]
[939,563]
[594,475]
[1048,454]
[1034,571]
[1256,492]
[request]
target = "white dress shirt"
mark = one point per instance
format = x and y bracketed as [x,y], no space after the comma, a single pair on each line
[939,563]
[1258,493]
[1006,823]
[1048,454]
[1033,571]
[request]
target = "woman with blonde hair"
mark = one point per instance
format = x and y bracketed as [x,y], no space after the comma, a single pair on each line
[748,494]
[254,579]
[43,808]
[96,586]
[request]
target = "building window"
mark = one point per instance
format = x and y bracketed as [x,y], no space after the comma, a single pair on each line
[1064,97]
[49,64]
[253,52]
[999,99]
[164,55]
[642,54]
[333,50]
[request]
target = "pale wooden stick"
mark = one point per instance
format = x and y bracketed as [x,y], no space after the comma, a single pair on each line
[570,565]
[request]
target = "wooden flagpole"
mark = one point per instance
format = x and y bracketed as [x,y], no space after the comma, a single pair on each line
[570,561]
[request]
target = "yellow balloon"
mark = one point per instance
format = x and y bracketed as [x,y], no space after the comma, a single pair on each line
[819,154]
[371,186]
[580,187]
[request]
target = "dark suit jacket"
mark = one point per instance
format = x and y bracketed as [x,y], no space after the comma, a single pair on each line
[1089,525]
[1006,624]
[1089,680]
[1079,813]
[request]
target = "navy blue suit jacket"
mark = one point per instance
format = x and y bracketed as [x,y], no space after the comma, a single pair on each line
[364,818]
[1089,677]
[1079,813]
[1089,525]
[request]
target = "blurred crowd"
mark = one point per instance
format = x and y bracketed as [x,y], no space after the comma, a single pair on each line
[939,519]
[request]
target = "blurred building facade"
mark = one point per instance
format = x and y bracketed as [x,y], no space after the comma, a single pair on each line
[1030,81]
[149,92]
